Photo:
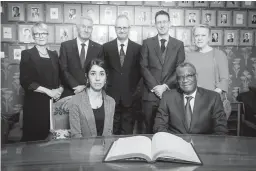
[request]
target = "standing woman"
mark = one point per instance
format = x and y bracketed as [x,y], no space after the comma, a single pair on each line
[39,76]
[211,64]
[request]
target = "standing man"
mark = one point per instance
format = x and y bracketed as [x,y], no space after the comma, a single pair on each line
[122,57]
[76,54]
[160,55]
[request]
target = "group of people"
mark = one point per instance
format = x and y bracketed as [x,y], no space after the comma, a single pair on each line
[180,94]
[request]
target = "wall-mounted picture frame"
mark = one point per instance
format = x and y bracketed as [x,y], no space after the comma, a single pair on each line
[136,34]
[35,12]
[201,3]
[252,19]
[63,32]
[209,17]
[154,11]
[219,4]
[184,34]
[143,15]
[100,34]
[51,35]
[15,52]
[216,37]
[54,13]
[169,3]
[192,17]
[239,18]
[185,3]
[148,32]
[248,4]
[25,33]
[128,11]
[8,32]
[224,18]
[16,12]
[108,14]
[232,4]
[231,37]
[92,11]
[72,13]
[176,17]
[246,38]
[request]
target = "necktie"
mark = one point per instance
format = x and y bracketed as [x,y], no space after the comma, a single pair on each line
[82,55]
[188,111]
[162,45]
[122,54]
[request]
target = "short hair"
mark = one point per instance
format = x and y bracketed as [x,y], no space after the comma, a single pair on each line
[201,26]
[185,64]
[123,16]
[15,8]
[84,18]
[39,25]
[162,12]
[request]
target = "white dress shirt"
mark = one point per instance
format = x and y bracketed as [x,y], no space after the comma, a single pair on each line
[124,47]
[192,101]
[79,42]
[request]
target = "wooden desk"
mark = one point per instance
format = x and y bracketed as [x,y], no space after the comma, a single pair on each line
[229,153]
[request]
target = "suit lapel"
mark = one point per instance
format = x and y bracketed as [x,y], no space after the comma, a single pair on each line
[197,104]
[89,54]
[115,56]
[157,49]
[180,105]
[128,55]
[107,110]
[169,52]
[76,53]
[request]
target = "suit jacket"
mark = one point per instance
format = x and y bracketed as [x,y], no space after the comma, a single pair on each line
[81,116]
[72,71]
[208,114]
[154,70]
[122,80]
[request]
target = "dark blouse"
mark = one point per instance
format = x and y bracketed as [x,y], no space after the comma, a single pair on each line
[99,115]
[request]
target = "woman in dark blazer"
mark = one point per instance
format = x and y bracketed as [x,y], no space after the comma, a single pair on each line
[92,111]
[39,76]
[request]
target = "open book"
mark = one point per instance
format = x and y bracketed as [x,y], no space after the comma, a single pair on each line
[163,147]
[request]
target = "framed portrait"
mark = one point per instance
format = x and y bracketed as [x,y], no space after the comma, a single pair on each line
[100,34]
[134,2]
[239,18]
[117,2]
[51,34]
[185,3]
[35,12]
[246,38]
[143,15]
[25,33]
[231,37]
[15,52]
[216,37]
[177,17]
[169,3]
[201,3]
[72,13]
[152,3]
[128,11]
[16,12]
[154,11]
[184,34]
[248,4]
[209,17]
[92,11]
[136,34]
[192,17]
[55,48]
[252,19]
[224,18]
[148,32]
[54,13]
[63,33]
[232,4]
[220,4]
[108,14]
[8,32]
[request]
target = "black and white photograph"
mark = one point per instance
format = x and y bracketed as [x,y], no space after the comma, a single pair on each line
[246,38]
[239,18]
[192,17]
[35,12]
[231,37]
[15,11]
[216,37]
[54,13]
[72,13]
[224,18]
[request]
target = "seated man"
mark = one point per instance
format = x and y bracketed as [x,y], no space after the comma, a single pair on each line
[203,114]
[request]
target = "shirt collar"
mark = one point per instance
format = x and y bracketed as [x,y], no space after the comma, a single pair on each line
[159,38]
[79,42]
[192,95]
[125,43]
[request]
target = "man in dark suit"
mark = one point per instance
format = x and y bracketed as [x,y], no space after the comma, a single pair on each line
[190,109]
[122,57]
[76,54]
[160,55]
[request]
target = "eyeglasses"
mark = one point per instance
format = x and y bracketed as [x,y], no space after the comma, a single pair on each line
[188,77]
[86,27]
[37,35]
[162,22]
[124,28]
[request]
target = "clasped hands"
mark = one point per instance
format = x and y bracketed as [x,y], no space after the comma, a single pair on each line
[78,88]
[159,89]
[55,93]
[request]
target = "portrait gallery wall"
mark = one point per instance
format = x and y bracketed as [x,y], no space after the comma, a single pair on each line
[233,31]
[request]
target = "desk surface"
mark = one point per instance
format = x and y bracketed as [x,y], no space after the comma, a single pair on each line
[216,152]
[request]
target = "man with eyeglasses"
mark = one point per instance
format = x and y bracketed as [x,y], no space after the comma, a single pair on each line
[160,55]
[190,109]
[76,54]
[122,59]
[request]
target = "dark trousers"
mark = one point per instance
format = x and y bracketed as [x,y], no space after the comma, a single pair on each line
[123,119]
[149,112]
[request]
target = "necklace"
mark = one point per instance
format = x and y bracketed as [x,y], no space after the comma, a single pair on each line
[44,54]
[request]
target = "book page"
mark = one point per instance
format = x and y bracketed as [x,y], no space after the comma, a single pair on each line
[166,145]
[136,146]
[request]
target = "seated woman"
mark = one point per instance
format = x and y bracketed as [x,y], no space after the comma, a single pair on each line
[92,111]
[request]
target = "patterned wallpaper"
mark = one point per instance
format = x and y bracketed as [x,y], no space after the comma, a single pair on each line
[241,56]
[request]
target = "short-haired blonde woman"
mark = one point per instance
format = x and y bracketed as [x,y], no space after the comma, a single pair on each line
[39,76]
[211,64]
